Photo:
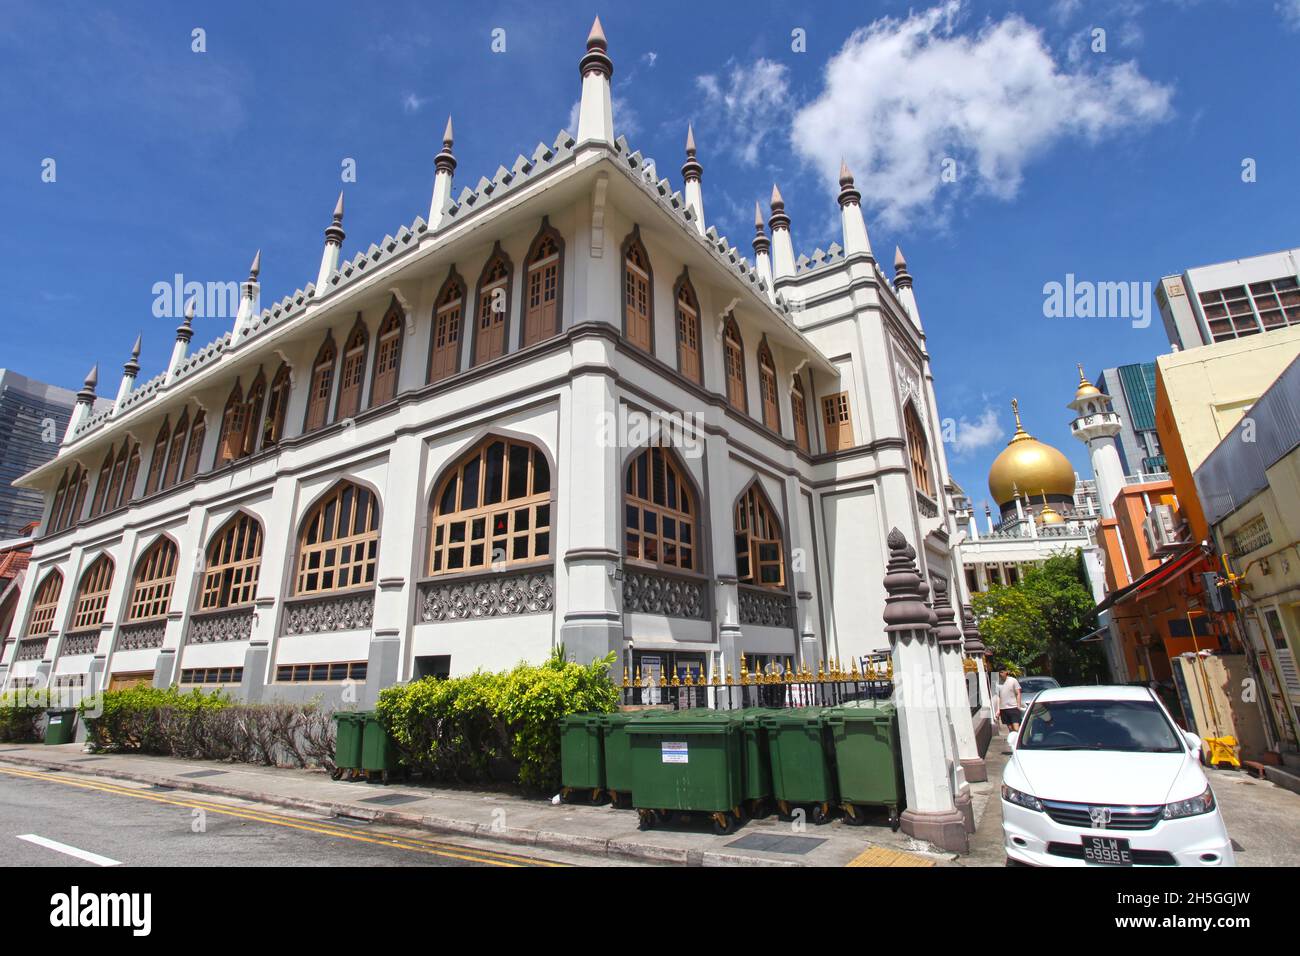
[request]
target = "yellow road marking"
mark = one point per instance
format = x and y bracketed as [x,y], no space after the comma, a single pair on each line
[415,844]
[883,856]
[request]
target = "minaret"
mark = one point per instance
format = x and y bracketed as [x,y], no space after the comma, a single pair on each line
[1096,425]
[691,172]
[334,236]
[782,246]
[762,252]
[129,372]
[853,224]
[85,403]
[248,297]
[444,165]
[596,111]
[184,332]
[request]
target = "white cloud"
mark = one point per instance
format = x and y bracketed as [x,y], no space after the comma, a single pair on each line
[752,101]
[972,436]
[1290,12]
[903,95]
[649,58]
[412,103]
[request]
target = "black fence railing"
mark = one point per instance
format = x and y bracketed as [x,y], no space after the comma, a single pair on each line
[776,688]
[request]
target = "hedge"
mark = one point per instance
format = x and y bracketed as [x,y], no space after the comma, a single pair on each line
[20,716]
[495,726]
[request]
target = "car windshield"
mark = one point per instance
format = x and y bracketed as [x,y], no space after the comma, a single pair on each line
[1127,725]
[1033,685]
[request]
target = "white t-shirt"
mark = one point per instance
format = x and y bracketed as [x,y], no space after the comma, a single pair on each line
[1007,692]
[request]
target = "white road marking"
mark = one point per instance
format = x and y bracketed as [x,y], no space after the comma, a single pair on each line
[57,847]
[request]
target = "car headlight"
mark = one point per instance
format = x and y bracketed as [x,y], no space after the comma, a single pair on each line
[1026,800]
[1189,808]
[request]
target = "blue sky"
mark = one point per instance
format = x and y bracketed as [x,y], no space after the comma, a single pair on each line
[1115,165]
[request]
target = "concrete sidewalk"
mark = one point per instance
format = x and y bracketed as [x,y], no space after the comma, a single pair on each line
[600,831]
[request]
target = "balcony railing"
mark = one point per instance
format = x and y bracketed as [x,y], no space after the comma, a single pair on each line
[493,594]
[928,507]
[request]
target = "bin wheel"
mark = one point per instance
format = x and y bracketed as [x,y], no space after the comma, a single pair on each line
[385,776]
[595,795]
[853,816]
[784,809]
[723,823]
[337,773]
[895,821]
[564,794]
[646,819]
[821,814]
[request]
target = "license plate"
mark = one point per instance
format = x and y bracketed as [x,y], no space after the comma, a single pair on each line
[1110,851]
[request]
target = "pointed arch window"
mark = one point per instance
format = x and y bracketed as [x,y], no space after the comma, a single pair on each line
[158,458]
[660,512]
[119,475]
[388,356]
[277,406]
[77,500]
[494,509]
[132,473]
[918,450]
[760,554]
[92,596]
[155,576]
[234,558]
[542,315]
[353,372]
[799,411]
[101,485]
[60,495]
[448,317]
[176,451]
[45,604]
[767,387]
[733,358]
[688,330]
[198,431]
[230,441]
[493,307]
[638,301]
[339,541]
[322,384]
[253,413]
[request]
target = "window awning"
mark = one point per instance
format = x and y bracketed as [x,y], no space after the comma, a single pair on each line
[1156,578]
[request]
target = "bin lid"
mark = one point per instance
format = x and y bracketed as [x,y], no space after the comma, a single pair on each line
[861,710]
[793,715]
[681,722]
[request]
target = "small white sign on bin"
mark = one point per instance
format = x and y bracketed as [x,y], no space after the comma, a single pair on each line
[674,751]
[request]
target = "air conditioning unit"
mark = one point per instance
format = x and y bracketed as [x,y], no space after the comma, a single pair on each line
[1164,533]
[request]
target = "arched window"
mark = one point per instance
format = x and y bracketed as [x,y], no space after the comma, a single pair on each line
[77,500]
[767,387]
[176,451]
[198,431]
[799,409]
[119,473]
[61,494]
[132,473]
[448,313]
[638,301]
[158,458]
[155,575]
[660,513]
[233,560]
[542,315]
[276,407]
[688,330]
[760,555]
[353,372]
[339,540]
[493,509]
[92,596]
[101,485]
[918,450]
[733,358]
[45,604]
[493,308]
[388,356]
[230,441]
[322,384]
[253,413]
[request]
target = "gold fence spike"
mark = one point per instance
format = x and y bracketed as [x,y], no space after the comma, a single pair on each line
[626,682]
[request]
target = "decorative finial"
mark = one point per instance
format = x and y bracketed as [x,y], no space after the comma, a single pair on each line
[905,609]
[256,267]
[758,217]
[777,201]
[691,169]
[447,136]
[778,219]
[135,349]
[974,642]
[902,278]
[185,330]
[762,245]
[946,632]
[597,58]
[132,366]
[596,38]
[334,231]
[1015,410]
[900,263]
[445,162]
[87,394]
[847,193]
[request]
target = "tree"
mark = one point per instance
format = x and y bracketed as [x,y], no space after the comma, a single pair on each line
[1011,626]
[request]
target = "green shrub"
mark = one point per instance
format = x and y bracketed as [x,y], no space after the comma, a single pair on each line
[20,715]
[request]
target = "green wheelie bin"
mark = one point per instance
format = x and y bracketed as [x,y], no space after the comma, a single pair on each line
[378,749]
[688,762]
[802,774]
[757,786]
[582,755]
[348,726]
[868,765]
[60,726]
[617,748]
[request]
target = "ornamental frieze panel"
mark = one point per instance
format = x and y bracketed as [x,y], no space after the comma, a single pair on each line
[218,626]
[648,592]
[32,649]
[84,642]
[141,635]
[341,612]
[764,608]
[499,595]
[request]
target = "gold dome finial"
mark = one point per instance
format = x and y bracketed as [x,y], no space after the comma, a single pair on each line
[1015,410]
[1086,389]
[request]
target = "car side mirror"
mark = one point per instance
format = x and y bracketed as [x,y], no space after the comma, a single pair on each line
[1012,738]
[1193,740]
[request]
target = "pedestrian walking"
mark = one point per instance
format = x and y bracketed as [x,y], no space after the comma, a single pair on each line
[1009,702]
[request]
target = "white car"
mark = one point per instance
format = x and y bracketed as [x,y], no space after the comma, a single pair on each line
[1102,776]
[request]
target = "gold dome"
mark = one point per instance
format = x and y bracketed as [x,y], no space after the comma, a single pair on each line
[1050,515]
[1027,465]
[1086,388]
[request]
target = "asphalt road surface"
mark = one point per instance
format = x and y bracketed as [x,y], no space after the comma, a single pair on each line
[53,819]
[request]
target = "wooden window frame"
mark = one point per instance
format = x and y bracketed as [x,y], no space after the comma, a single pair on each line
[686,324]
[837,416]
[633,244]
[56,504]
[733,352]
[496,257]
[275,414]
[114,499]
[45,604]
[254,402]
[176,451]
[918,450]
[233,563]
[101,485]
[767,387]
[329,546]
[755,525]
[154,580]
[321,386]
[452,296]
[477,523]
[194,445]
[234,423]
[356,349]
[158,460]
[531,334]
[77,500]
[92,595]
[335,672]
[799,412]
[392,330]
[657,546]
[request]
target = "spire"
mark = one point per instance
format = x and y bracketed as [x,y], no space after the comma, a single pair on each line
[691,172]
[691,169]
[129,371]
[444,165]
[852,223]
[185,331]
[782,245]
[848,193]
[85,403]
[596,111]
[1020,429]
[132,366]
[248,298]
[256,267]
[87,393]
[445,159]
[334,236]
[334,231]
[762,252]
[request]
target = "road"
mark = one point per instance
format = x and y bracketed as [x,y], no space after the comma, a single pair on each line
[53,819]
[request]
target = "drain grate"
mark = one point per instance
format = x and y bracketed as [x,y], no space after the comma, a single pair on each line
[84,759]
[201,773]
[159,788]
[768,843]
[392,799]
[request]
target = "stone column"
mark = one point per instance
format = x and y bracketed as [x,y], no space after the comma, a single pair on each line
[931,813]
[949,638]
[976,651]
